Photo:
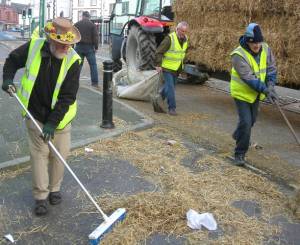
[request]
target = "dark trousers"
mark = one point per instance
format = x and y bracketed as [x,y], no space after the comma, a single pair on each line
[87,50]
[247,116]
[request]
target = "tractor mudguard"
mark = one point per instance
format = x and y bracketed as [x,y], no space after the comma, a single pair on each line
[148,24]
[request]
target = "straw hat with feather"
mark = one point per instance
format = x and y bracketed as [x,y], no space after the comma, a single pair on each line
[62,30]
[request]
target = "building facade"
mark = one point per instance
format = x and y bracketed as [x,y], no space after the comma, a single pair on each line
[9,17]
[96,8]
[53,8]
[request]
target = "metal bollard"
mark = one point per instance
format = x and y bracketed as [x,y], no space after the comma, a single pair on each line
[107,95]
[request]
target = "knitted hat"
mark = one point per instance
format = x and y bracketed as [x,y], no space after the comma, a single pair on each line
[253,33]
[61,30]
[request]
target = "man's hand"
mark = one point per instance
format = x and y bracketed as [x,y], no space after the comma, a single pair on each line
[271,94]
[158,69]
[48,132]
[9,87]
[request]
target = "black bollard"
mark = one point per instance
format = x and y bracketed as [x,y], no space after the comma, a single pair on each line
[107,95]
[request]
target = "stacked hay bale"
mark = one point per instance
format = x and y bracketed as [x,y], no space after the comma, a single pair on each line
[216,25]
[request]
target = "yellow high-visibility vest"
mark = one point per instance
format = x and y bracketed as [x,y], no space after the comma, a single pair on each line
[32,68]
[173,58]
[238,88]
[35,34]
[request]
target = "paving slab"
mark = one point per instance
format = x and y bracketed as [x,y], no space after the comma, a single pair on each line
[250,208]
[289,235]
[86,126]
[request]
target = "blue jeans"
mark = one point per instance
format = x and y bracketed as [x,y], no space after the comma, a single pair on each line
[247,116]
[168,90]
[87,50]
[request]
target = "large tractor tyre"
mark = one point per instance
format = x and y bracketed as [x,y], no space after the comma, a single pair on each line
[140,49]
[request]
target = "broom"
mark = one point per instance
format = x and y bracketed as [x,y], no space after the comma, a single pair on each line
[119,215]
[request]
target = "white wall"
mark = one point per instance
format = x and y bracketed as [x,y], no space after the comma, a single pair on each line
[101,8]
[61,5]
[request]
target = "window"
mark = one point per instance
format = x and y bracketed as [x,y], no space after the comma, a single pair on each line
[111,7]
[79,15]
[93,3]
[151,7]
[80,3]
[93,14]
[125,7]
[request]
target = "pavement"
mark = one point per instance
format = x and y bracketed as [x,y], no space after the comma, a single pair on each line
[111,175]
[85,128]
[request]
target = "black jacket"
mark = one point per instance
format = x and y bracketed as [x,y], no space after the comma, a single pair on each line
[42,92]
[88,32]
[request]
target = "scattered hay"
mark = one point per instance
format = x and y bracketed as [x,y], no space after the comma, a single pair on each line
[40,228]
[294,204]
[120,123]
[212,190]
[12,172]
[191,118]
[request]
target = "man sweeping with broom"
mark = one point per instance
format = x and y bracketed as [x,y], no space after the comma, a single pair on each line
[47,96]
[48,90]
[253,77]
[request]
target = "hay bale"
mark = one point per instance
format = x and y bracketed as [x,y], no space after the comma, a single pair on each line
[216,25]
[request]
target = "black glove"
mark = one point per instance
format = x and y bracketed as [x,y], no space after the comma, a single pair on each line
[48,132]
[271,94]
[9,87]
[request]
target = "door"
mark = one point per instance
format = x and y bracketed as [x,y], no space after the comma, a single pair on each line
[124,10]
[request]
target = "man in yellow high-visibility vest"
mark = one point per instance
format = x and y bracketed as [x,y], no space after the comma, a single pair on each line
[169,60]
[253,76]
[48,89]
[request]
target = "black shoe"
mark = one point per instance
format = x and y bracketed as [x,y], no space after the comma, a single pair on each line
[55,198]
[40,208]
[239,160]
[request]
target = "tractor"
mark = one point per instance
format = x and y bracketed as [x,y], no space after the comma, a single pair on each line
[137,27]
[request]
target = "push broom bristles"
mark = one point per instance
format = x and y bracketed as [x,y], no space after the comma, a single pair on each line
[96,236]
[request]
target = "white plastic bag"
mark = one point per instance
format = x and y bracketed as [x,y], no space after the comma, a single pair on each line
[143,87]
[10,238]
[196,220]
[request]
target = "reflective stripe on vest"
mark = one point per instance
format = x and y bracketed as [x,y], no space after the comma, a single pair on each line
[173,58]
[35,34]
[238,88]
[31,71]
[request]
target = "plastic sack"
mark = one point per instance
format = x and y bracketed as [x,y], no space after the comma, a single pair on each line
[196,220]
[143,85]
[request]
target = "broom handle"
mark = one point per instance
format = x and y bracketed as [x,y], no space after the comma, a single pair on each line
[287,122]
[62,159]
